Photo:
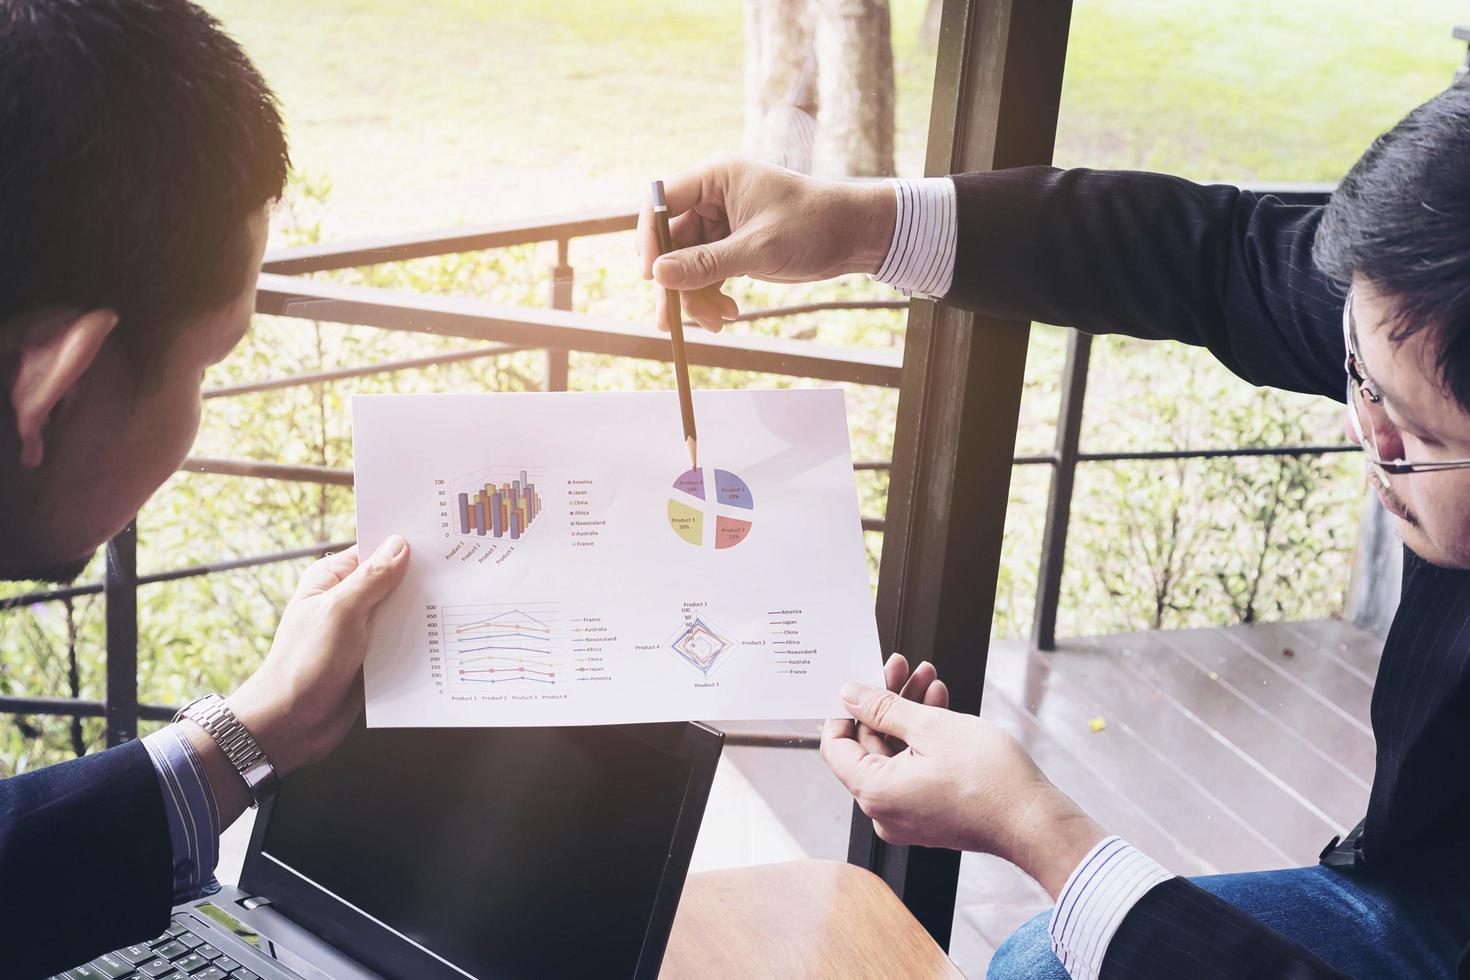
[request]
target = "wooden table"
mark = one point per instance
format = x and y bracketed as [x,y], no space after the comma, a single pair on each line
[798,920]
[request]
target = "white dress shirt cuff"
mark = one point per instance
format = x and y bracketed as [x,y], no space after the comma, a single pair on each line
[921,257]
[191,812]
[1099,894]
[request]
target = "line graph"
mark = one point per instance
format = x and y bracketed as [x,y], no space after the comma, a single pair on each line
[510,645]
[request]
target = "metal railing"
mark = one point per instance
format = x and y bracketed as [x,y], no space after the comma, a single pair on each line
[556,330]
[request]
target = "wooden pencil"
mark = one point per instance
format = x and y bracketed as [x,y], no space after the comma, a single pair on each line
[675,318]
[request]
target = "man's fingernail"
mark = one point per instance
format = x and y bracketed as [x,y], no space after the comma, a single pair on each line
[853,693]
[729,317]
[392,547]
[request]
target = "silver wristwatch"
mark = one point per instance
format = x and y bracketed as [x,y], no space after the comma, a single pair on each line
[212,714]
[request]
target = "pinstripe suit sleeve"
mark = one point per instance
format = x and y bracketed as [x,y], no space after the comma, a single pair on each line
[1153,257]
[1180,930]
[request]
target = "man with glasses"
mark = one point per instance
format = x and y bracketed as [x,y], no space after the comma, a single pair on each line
[1374,429]
[1266,287]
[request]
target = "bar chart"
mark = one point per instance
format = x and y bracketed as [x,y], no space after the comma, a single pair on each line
[497,502]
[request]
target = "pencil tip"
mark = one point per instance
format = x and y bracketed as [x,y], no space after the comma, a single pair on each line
[693,445]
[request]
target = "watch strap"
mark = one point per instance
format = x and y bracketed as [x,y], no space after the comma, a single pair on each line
[245,755]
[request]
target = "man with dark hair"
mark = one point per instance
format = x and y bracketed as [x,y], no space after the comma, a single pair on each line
[1366,300]
[140,152]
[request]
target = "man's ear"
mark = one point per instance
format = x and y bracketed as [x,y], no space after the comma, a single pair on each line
[53,356]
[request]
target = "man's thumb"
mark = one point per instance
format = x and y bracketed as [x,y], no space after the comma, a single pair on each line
[372,580]
[883,711]
[700,265]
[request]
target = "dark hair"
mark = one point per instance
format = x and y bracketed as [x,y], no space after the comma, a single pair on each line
[136,139]
[1400,220]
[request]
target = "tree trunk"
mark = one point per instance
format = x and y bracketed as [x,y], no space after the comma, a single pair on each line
[853,40]
[778,43]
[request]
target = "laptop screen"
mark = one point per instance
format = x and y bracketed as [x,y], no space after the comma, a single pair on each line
[502,852]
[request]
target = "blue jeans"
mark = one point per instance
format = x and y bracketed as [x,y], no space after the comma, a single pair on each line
[1367,927]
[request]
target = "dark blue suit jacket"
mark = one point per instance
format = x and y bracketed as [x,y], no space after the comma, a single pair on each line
[84,861]
[1162,258]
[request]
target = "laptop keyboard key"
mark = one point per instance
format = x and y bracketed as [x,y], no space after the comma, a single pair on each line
[190,963]
[172,951]
[227,964]
[85,972]
[136,954]
[190,940]
[209,973]
[111,966]
[208,952]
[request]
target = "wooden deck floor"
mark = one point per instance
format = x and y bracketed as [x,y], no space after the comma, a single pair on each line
[1231,749]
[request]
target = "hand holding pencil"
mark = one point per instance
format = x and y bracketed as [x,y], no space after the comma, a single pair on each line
[735,217]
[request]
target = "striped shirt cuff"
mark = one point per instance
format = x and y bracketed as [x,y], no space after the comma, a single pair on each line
[921,258]
[193,818]
[1094,902]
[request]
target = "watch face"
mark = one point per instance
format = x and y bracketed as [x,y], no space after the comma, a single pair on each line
[262,780]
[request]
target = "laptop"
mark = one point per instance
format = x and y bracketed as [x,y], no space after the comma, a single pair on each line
[420,854]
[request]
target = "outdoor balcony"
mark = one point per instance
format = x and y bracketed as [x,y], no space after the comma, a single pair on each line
[1126,722]
[1152,499]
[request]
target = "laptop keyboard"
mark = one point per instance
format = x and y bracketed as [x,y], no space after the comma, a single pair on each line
[178,954]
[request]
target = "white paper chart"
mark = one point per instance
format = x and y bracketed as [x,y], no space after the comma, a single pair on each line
[569,568]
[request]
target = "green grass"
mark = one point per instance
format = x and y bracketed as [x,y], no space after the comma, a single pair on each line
[435,112]
[441,111]
[1250,90]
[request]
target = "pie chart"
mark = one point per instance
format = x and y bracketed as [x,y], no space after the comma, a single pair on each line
[711,508]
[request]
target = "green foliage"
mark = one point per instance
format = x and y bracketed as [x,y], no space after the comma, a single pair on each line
[1205,541]
[50,649]
[1292,533]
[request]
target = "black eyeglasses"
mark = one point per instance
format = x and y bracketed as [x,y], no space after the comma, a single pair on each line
[1374,429]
